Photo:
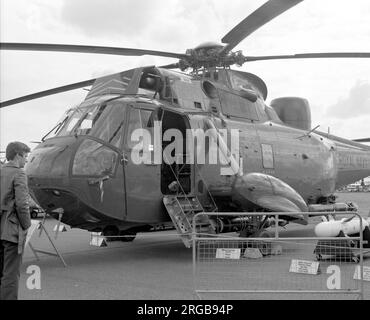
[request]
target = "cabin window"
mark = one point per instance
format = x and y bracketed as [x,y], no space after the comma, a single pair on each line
[197,105]
[94,159]
[234,105]
[189,95]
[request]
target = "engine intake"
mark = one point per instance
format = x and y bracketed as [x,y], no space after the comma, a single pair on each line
[293,111]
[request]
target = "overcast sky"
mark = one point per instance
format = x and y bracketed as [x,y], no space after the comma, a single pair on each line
[337,89]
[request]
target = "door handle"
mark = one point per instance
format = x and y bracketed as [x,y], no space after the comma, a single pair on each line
[98,180]
[100,183]
[124,159]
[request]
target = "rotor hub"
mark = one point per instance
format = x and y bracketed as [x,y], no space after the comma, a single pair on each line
[210,55]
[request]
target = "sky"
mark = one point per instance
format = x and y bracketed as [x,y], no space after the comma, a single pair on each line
[338,89]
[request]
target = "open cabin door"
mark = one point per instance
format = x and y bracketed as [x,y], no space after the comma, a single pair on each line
[177,169]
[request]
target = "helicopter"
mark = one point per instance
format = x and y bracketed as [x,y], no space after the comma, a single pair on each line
[84,169]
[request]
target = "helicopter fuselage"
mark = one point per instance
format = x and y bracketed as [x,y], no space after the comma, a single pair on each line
[88,168]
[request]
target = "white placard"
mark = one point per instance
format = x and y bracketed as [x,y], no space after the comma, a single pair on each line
[365,272]
[305,267]
[97,239]
[61,228]
[222,253]
[31,230]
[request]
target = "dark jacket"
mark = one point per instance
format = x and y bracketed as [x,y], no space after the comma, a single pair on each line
[14,207]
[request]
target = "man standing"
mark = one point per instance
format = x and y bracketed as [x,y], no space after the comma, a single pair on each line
[15,218]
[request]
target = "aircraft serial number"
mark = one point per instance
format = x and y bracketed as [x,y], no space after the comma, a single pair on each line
[206,309]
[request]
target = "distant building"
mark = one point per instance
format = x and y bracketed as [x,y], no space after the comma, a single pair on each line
[359,186]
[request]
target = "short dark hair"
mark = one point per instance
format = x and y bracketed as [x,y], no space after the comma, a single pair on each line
[15,148]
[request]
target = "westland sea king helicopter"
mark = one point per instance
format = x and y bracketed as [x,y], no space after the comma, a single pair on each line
[84,169]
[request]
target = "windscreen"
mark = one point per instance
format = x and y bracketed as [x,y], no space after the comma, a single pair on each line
[66,123]
[103,121]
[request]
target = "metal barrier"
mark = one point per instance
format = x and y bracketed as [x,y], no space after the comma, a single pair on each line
[231,267]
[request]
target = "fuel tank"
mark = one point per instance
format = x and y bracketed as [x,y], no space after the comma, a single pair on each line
[269,192]
[333,228]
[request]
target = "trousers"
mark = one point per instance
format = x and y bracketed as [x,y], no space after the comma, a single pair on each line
[10,264]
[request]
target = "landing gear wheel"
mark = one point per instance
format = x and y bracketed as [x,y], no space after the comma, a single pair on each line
[111,234]
[34,214]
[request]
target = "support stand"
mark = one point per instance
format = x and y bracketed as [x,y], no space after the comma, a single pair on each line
[41,226]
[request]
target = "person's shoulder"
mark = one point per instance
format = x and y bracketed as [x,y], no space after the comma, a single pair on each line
[10,164]
[13,169]
[8,167]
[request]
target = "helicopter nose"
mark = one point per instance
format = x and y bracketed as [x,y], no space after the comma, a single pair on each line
[56,188]
[48,171]
[50,159]
[48,168]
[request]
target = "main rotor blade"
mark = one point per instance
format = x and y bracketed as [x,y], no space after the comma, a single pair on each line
[49,92]
[362,140]
[311,56]
[171,66]
[256,20]
[87,49]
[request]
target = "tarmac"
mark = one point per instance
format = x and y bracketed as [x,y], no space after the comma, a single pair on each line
[155,266]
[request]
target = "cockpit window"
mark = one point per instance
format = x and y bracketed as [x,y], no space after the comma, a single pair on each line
[65,125]
[139,119]
[89,119]
[108,123]
[104,121]
[94,159]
